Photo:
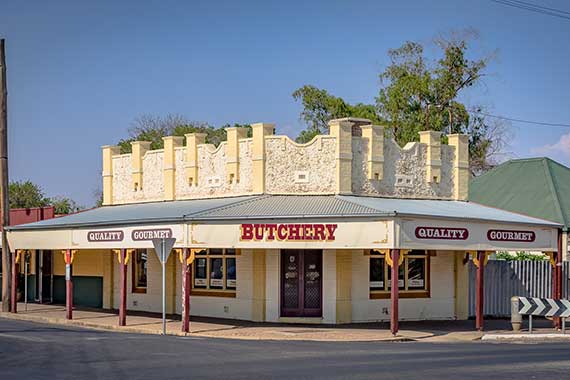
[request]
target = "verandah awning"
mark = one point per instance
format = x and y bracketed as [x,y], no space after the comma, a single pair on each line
[283,221]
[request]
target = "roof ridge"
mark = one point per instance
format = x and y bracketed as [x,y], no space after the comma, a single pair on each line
[555,194]
[238,203]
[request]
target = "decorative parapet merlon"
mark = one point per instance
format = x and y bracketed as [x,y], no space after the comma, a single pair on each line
[191,160]
[139,148]
[461,172]
[169,165]
[260,130]
[232,154]
[108,152]
[375,151]
[341,129]
[433,157]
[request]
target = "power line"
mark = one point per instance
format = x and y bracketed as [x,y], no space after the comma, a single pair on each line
[535,8]
[562,125]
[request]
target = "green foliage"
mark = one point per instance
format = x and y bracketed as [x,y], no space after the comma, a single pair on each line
[26,194]
[64,205]
[416,95]
[519,256]
[319,107]
[154,128]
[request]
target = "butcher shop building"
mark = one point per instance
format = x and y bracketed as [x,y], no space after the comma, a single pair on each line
[270,230]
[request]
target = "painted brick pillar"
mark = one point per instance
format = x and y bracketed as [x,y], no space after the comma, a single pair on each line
[260,130]
[433,156]
[191,157]
[123,261]
[374,135]
[460,165]
[139,148]
[107,173]
[480,291]
[169,165]
[341,129]
[394,291]
[232,153]
[186,279]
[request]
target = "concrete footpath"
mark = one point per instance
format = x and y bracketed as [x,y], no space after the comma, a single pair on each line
[150,323]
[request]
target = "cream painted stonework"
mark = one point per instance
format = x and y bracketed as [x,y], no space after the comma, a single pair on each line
[341,163]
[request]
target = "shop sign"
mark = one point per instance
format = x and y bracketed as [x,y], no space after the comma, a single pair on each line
[149,234]
[442,233]
[511,235]
[288,232]
[102,236]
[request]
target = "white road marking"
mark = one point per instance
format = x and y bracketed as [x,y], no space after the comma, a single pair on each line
[21,337]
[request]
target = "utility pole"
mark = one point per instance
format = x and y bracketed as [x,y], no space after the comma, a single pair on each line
[4,204]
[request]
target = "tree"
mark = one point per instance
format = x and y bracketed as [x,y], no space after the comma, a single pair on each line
[319,107]
[416,95]
[154,128]
[64,206]
[25,194]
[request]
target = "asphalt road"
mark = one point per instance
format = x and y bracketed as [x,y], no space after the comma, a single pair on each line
[37,351]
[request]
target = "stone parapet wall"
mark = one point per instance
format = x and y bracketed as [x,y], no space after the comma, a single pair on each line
[368,163]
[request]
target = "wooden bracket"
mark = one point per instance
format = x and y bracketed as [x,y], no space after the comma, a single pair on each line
[68,259]
[551,258]
[128,254]
[474,255]
[190,258]
[403,253]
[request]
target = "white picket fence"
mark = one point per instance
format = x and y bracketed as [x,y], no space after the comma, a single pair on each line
[504,279]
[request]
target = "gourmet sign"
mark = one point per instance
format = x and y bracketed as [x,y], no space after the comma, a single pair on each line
[511,235]
[442,233]
[103,236]
[149,234]
[288,232]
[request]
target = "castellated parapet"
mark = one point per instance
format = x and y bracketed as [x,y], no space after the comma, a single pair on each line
[356,158]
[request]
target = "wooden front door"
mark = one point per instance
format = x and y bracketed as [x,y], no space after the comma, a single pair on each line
[301,283]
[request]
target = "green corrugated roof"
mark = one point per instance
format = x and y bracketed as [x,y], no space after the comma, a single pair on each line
[537,187]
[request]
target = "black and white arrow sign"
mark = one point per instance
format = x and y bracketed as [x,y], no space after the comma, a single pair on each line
[546,307]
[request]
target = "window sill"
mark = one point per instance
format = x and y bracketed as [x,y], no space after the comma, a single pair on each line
[139,290]
[212,293]
[402,294]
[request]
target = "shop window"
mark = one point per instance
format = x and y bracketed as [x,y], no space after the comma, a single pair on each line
[214,272]
[140,270]
[413,281]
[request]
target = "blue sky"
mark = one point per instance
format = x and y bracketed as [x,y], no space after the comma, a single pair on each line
[79,72]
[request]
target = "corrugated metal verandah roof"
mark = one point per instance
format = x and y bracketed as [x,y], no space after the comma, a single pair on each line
[280,207]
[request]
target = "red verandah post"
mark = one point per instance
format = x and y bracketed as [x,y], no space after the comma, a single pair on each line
[185,291]
[480,290]
[14,296]
[394,294]
[557,279]
[68,256]
[123,287]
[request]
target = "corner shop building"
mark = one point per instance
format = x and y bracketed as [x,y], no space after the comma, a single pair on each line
[283,232]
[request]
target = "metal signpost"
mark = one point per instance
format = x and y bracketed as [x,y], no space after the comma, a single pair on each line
[163,247]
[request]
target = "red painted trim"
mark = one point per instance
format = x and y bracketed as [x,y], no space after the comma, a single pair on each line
[394,292]
[480,291]
[123,288]
[186,279]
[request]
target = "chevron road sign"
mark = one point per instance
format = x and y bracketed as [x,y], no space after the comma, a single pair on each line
[545,307]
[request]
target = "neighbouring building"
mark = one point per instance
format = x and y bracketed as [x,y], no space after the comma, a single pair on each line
[532,186]
[270,230]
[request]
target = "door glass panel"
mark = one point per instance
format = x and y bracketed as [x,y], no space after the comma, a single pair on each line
[312,280]
[290,281]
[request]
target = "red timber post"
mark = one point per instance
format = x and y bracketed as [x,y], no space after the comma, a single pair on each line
[185,260]
[68,257]
[15,270]
[557,278]
[123,260]
[394,293]
[480,290]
